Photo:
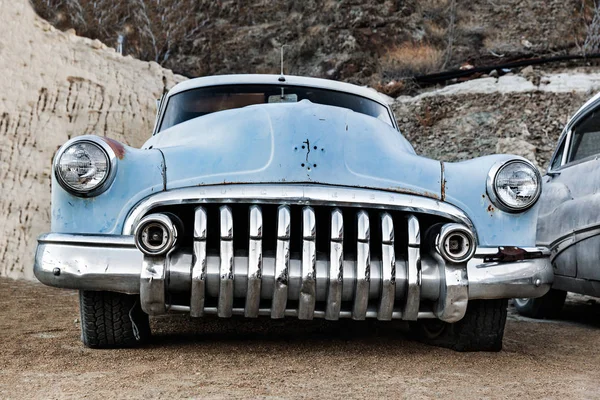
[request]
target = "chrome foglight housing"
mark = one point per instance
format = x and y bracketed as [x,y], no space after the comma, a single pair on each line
[155,235]
[85,166]
[514,186]
[456,243]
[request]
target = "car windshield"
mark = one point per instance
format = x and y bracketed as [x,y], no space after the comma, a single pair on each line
[195,103]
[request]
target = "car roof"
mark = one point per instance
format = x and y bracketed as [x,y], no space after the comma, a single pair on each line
[591,103]
[290,80]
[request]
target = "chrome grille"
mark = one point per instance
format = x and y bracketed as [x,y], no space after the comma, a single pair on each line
[347,281]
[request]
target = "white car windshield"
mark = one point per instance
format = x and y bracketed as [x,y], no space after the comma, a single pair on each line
[195,103]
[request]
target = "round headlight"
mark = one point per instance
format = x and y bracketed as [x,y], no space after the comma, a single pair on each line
[514,186]
[84,167]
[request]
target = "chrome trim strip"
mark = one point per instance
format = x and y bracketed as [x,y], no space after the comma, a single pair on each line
[413,271]
[69,239]
[567,149]
[363,267]
[153,286]
[198,287]
[296,194]
[282,263]
[388,269]
[265,312]
[336,267]
[226,269]
[575,236]
[308,289]
[254,263]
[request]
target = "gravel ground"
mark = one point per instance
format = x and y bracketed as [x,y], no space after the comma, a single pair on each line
[41,356]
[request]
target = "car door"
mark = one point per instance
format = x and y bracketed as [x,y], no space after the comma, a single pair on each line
[569,221]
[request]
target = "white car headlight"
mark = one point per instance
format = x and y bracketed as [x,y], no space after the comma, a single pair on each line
[514,186]
[85,166]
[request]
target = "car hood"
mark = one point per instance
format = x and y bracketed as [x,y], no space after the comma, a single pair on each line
[294,143]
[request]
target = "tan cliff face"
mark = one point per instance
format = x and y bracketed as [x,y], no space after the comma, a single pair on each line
[54,86]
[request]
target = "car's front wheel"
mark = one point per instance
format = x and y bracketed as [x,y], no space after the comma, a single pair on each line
[110,320]
[547,306]
[481,329]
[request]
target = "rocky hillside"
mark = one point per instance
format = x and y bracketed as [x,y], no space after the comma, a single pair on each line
[367,42]
[516,114]
[55,86]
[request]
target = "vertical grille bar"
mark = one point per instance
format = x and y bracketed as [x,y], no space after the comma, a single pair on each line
[388,269]
[282,263]
[199,265]
[336,267]
[225,304]
[306,304]
[363,268]
[254,263]
[413,293]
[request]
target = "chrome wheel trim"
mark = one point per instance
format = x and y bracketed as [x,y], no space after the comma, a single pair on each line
[522,302]
[433,328]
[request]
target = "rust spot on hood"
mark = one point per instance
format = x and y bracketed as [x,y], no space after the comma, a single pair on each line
[508,254]
[117,147]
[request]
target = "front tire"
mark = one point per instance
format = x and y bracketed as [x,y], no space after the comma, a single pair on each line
[547,306]
[110,320]
[481,329]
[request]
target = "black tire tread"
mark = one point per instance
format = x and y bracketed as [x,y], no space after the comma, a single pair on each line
[110,320]
[548,306]
[481,329]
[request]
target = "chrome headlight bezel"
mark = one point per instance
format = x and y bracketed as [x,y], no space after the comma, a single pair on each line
[492,187]
[111,160]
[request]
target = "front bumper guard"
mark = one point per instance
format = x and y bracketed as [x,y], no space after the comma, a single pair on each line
[113,263]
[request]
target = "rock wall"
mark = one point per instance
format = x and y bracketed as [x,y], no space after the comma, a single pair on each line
[54,86]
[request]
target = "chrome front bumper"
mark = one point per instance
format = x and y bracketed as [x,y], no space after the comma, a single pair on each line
[113,263]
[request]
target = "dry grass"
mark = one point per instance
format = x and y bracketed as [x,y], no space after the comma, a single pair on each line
[411,59]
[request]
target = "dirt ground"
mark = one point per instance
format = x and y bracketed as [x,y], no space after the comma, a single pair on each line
[41,356]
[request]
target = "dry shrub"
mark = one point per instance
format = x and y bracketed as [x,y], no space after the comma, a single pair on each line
[392,89]
[411,59]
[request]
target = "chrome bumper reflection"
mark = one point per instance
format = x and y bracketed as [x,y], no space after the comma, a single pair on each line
[113,263]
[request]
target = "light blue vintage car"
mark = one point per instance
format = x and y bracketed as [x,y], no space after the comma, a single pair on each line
[284,196]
